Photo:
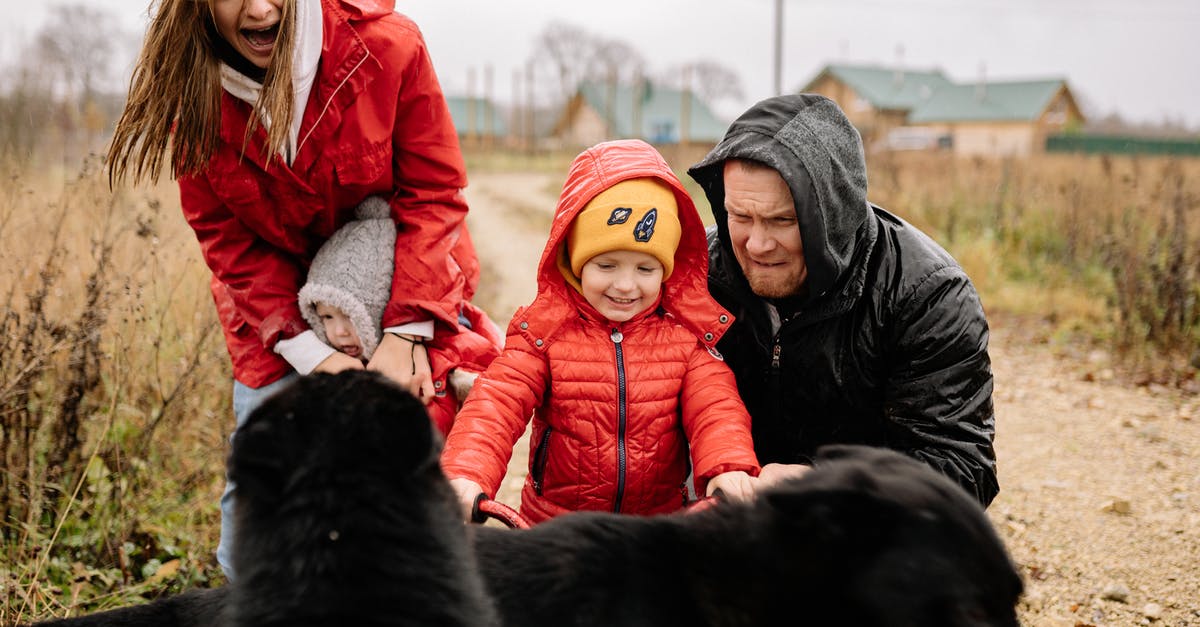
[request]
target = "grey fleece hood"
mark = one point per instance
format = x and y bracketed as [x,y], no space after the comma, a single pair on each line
[809,141]
[353,272]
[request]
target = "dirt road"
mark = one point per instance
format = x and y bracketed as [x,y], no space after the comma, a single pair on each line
[1100,481]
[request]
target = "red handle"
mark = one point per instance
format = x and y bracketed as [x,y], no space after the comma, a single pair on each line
[485,508]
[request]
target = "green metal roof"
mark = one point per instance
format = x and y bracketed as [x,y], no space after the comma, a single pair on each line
[1006,101]
[661,110]
[888,88]
[460,113]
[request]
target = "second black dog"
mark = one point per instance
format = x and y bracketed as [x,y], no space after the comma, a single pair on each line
[868,538]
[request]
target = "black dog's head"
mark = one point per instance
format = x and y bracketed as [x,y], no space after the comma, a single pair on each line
[342,511]
[905,546]
[349,428]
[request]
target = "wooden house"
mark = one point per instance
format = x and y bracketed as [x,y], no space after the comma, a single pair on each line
[876,99]
[1000,118]
[657,114]
[478,121]
[897,108]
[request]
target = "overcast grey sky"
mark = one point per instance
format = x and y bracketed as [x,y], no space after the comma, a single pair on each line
[1140,59]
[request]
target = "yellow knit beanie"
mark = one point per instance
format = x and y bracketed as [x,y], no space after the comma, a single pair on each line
[636,214]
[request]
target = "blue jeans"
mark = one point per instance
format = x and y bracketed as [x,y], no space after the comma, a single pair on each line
[245,400]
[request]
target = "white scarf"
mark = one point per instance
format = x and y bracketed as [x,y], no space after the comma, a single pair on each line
[305,58]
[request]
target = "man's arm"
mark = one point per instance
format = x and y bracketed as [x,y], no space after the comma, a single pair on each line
[938,401]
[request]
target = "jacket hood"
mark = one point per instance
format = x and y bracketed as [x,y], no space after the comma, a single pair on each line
[353,272]
[809,141]
[684,295]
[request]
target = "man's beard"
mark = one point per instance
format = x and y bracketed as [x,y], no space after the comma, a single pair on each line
[776,284]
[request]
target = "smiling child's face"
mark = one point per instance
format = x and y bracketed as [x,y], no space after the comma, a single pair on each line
[621,283]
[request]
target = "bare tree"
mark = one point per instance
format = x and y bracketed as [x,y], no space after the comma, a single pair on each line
[77,45]
[617,60]
[569,51]
[710,81]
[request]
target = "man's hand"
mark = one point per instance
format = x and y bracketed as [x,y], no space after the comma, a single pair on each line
[337,362]
[403,359]
[774,473]
[735,486]
[466,491]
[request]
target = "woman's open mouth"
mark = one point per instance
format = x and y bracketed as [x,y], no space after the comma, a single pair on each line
[261,40]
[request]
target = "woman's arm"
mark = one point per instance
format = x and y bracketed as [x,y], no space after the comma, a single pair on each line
[261,280]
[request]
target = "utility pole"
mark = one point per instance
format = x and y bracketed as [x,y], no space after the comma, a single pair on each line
[778,47]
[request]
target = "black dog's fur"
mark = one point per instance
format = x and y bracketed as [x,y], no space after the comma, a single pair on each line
[868,538]
[343,518]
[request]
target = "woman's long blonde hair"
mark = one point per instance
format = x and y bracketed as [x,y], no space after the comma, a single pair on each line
[174,101]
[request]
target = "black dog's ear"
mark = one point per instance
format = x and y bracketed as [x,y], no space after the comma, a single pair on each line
[256,461]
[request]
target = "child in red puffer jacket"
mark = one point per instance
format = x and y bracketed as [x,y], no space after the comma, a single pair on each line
[614,359]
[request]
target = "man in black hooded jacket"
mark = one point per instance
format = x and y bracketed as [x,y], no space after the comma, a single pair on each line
[852,325]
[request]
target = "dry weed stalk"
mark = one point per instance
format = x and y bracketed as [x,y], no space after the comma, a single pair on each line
[107,337]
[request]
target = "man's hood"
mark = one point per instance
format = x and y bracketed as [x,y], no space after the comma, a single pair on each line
[809,141]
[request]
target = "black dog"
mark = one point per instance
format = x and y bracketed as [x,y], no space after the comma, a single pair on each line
[343,518]
[868,538]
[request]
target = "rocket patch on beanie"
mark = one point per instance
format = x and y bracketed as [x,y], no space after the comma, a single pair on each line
[639,215]
[353,272]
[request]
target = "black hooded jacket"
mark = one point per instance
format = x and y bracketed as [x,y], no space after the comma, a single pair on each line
[888,347]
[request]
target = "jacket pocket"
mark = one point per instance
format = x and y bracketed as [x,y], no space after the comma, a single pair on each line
[540,455]
[362,167]
[238,190]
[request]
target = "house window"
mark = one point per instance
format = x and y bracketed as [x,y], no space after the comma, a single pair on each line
[1057,112]
[861,104]
[663,132]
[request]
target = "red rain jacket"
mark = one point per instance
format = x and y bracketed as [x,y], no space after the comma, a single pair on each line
[612,421]
[376,123]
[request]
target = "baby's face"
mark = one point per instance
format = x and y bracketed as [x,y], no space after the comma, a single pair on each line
[339,330]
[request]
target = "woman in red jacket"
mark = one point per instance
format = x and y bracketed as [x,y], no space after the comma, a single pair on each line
[278,118]
[614,359]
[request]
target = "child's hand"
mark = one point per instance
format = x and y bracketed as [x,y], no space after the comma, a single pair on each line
[466,491]
[338,362]
[775,473]
[735,486]
[404,360]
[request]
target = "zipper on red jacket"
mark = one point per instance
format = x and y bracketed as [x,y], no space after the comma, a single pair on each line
[539,460]
[617,336]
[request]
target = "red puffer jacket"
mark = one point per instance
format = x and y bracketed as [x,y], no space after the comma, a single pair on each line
[615,406]
[376,123]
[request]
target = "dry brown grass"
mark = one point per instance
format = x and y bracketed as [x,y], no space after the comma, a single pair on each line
[113,367]
[1106,248]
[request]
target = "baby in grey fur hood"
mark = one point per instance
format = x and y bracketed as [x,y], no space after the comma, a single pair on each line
[350,281]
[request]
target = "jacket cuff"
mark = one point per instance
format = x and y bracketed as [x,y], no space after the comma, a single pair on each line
[423,329]
[304,352]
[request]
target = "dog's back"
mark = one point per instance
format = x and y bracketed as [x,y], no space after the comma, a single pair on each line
[868,538]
